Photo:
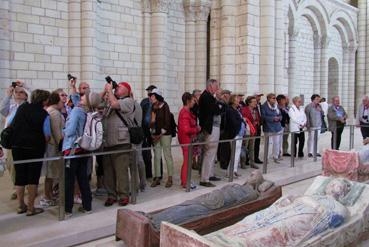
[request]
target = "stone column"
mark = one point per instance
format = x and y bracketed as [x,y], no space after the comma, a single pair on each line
[146,46]
[351,77]
[281,86]
[202,14]
[190,65]
[345,77]
[324,67]
[317,61]
[361,88]
[88,38]
[267,46]
[158,64]
[74,38]
[228,44]
[215,40]
[292,63]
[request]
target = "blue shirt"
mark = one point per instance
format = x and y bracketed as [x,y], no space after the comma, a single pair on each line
[74,127]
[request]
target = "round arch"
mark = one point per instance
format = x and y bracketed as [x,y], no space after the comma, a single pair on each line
[345,20]
[317,9]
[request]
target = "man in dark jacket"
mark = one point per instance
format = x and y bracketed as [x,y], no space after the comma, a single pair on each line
[146,117]
[210,120]
[283,107]
[258,130]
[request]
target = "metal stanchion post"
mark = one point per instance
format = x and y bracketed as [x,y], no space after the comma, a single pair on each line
[189,167]
[134,175]
[293,148]
[62,190]
[334,146]
[266,150]
[316,133]
[352,131]
[232,164]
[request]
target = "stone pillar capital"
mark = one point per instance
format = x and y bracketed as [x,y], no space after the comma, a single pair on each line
[352,46]
[146,6]
[190,10]
[160,6]
[203,8]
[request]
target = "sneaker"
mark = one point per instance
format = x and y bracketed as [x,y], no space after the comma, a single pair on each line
[310,155]
[46,203]
[68,215]
[207,184]
[77,200]
[109,202]
[13,196]
[276,161]
[84,211]
[237,175]
[193,186]
[287,155]
[101,192]
[124,201]
[214,178]
[258,161]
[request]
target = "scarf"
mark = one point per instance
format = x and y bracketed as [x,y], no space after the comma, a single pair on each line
[273,108]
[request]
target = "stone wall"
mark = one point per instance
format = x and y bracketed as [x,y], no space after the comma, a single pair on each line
[280,46]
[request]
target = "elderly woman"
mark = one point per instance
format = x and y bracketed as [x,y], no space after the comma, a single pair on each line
[235,128]
[297,124]
[161,130]
[57,121]
[251,114]
[31,128]
[272,124]
[77,168]
[15,96]
[187,130]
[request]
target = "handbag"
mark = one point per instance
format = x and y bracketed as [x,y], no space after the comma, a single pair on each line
[136,134]
[6,137]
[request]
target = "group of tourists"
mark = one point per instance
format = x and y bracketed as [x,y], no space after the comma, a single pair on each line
[50,124]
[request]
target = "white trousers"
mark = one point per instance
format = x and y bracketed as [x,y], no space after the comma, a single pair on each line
[237,155]
[311,140]
[275,142]
[210,152]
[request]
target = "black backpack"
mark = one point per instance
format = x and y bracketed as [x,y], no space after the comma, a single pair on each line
[173,125]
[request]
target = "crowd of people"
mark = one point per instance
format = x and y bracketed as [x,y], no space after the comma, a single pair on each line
[49,124]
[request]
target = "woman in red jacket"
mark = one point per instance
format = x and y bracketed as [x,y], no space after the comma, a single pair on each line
[253,119]
[187,130]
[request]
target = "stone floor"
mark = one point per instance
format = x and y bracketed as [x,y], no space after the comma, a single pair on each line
[46,230]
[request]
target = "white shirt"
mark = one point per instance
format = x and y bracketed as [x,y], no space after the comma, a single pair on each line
[325,107]
[297,118]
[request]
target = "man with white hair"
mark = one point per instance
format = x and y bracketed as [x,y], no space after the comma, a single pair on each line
[336,122]
[210,120]
[362,117]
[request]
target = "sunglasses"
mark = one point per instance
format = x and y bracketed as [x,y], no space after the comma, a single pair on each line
[63,95]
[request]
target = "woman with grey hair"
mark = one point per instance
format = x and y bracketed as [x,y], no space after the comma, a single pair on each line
[297,124]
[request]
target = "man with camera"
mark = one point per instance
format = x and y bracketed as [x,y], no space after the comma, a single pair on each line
[16,95]
[116,135]
[82,89]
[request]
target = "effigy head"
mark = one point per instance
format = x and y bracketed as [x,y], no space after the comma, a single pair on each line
[338,188]
[255,178]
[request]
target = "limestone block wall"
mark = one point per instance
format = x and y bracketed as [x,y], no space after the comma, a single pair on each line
[280,46]
[34,42]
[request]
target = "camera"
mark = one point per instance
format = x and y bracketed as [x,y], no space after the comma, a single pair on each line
[14,84]
[70,77]
[110,81]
